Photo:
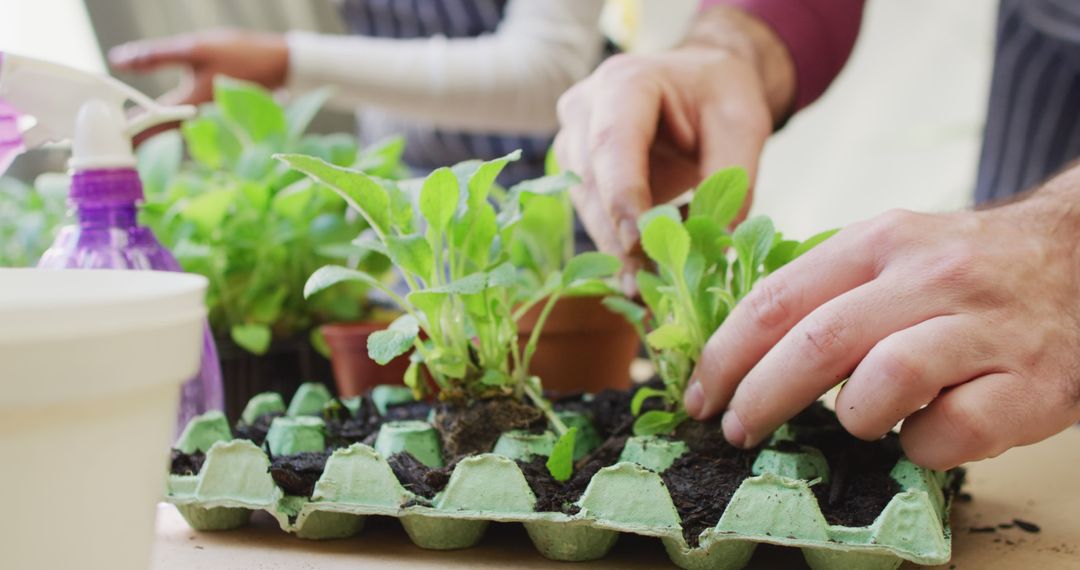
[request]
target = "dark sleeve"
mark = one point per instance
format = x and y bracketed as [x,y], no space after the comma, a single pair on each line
[819,34]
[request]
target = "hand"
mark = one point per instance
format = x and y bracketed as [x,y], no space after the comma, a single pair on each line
[966,326]
[645,128]
[258,57]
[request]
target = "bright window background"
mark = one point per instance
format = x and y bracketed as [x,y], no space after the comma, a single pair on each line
[57,30]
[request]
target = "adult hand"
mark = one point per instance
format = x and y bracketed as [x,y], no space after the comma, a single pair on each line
[966,326]
[258,57]
[645,128]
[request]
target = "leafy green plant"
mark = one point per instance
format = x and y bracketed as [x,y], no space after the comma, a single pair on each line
[30,217]
[701,272]
[470,271]
[252,226]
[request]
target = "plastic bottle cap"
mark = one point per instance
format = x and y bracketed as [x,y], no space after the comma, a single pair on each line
[100,140]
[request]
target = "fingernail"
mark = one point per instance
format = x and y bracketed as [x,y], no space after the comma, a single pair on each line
[627,235]
[694,398]
[733,429]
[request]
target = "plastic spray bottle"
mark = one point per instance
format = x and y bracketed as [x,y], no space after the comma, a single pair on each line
[42,102]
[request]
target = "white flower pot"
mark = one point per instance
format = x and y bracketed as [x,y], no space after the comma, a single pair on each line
[91,364]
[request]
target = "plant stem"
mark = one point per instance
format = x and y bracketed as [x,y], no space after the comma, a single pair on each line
[545,406]
[534,337]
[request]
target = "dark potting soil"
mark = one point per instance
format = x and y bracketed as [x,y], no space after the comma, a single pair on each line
[702,481]
[186,463]
[860,485]
[609,409]
[419,478]
[473,429]
[408,411]
[297,474]
[553,496]
[255,431]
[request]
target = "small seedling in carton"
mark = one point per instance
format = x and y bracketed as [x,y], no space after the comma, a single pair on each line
[701,271]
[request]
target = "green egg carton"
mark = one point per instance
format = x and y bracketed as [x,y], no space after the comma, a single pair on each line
[775,505]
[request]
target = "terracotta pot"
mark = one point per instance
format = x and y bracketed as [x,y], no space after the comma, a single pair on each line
[583,347]
[354,371]
[284,366]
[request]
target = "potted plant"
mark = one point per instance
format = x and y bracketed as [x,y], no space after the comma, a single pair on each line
[584,346]
[257,230]
[29,217]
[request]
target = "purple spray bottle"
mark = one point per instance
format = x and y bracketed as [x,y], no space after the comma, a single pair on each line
[88,110]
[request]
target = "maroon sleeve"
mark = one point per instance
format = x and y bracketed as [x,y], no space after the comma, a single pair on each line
[819,34]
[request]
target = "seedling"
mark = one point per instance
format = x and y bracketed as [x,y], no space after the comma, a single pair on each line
[701,272]
[470,270]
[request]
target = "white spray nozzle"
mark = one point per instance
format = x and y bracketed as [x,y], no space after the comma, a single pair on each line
[59,100]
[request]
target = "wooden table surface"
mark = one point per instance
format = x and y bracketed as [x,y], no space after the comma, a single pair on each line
[1038,484]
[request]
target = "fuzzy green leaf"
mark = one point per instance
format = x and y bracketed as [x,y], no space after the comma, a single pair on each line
[547,185]
[666,242]
[813,241]
[254,338]
[360,191]
[386,345]
[657,422]
[669,336]
[208,210]
[781,254]
[720,196]
[649,286]
[706,238]
[439,198]
[301,110]
[330,275]
[249,108]
[561,461]
[413,380]
[484,176]
[664,210]
[468,285]
[589,265]
[411,253]
[642,394]
[630,310]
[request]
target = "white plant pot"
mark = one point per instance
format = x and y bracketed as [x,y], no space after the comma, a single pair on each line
[91,364]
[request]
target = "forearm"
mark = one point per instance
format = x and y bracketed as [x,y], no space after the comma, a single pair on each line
[818,36]
[735,31]
[507,81]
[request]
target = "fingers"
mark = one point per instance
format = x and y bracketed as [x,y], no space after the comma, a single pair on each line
[146,55]
[624,113]
[983,418]
[728,140]
[908,369]
[768,312]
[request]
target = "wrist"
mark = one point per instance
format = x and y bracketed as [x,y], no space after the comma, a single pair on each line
[745,36]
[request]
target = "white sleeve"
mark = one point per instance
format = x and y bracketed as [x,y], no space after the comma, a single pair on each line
[506,81]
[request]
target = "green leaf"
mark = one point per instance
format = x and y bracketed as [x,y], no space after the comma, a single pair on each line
[413,380]
[664,210]
[204,141]
[208,210]
[561,461]
[475,233]
[318,342]
[649,286]
[493,377]
[411,253]
[642,394]
[468,285]
[249,108]
[504,275]
[293,200]
[546,185]
[706,238]
[666,242]
[669,336]
[781,254]
[813,241]
[589,265]
[159,160]
[630,310]
[301,110]
[439,198]
[753,240]
[657,422]
[330,275]
[253,338]
[361,192]
[386,345]
[428,302]
[484,176]
[720,196]
[382,158]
